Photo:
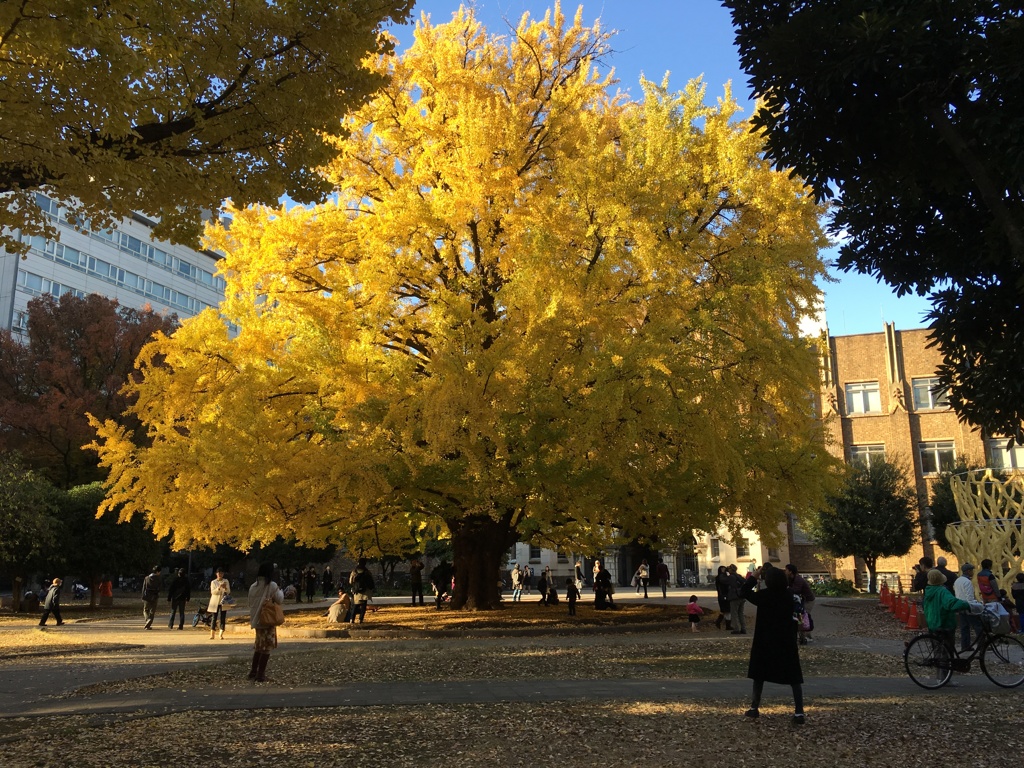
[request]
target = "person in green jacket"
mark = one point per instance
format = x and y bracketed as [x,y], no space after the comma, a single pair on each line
[940,608]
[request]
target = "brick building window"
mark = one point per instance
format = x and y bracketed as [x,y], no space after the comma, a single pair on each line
[936,457]
[999,457]
[928,394]
[863,397]
[742,547]
[863,455]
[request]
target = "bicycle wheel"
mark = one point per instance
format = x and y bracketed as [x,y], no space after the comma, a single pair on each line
[928,661]
[1003,661]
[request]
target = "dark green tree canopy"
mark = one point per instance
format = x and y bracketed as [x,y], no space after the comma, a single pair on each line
[29,526]
[90,547]
[908,114]
[942,506]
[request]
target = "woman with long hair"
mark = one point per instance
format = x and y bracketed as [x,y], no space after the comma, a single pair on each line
[266,637]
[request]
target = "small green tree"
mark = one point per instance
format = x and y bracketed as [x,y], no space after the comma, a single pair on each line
[871,516]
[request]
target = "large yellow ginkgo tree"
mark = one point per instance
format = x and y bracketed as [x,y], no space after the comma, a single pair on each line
[533,309]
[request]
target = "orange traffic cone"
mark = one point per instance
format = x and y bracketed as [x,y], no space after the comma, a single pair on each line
[883,594]
[912,621]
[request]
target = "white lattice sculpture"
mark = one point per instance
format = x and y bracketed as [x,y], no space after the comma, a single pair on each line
[991,508]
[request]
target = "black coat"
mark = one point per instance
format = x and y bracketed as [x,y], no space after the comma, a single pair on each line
[52,597]
[774,653]
[180,589]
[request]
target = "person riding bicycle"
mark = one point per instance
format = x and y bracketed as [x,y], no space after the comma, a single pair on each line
[940,608]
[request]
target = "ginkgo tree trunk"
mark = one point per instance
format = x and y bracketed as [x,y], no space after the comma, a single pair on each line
[533,308]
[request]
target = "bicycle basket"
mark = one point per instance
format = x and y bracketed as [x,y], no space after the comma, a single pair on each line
[995,624]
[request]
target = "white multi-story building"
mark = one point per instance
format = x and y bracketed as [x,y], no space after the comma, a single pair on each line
[124,263]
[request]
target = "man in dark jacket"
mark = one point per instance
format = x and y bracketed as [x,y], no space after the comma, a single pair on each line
[940,566]
[663,577]
[921,577]
[416,579]
[151,595]
[179,593]
[51,604]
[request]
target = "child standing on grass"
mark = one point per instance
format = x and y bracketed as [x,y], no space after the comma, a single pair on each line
[572,594]
[694,612]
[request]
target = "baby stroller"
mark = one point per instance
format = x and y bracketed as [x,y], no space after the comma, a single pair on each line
[202,616]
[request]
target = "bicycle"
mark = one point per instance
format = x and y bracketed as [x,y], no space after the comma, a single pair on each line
[930,662]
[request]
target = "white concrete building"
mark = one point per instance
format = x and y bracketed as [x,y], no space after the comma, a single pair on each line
[124,263]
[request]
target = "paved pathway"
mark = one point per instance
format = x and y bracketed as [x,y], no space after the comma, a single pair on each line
[29,686]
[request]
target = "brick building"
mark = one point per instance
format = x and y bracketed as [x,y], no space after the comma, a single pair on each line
[880,400]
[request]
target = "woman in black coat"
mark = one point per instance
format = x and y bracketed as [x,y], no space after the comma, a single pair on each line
[774,653]
[722,589]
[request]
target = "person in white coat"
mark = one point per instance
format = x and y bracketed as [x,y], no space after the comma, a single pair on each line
[266,636]
[963,589]
[220,588]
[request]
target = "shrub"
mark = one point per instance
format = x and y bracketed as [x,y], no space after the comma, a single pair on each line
[833,588]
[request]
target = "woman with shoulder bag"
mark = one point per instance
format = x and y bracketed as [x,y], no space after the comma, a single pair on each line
[266,634]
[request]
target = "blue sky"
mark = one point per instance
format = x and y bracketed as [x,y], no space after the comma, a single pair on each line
[691,38]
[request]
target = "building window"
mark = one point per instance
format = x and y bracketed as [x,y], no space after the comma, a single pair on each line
[1001,457]
[863,397]
[742,547]
[936,457]
[715,549]
[863,455]
[534,554]
[773,554]
[928,394]
[799,536]
[562,557]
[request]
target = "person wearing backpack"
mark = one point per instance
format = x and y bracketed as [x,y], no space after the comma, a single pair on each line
[151,596]
[362,584]
[987,585]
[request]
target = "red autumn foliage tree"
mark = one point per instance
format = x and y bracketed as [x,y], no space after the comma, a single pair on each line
[78,355]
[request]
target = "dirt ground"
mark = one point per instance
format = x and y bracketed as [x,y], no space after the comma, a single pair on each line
[652,644]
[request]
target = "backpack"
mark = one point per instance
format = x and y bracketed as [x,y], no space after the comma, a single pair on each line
[364,582]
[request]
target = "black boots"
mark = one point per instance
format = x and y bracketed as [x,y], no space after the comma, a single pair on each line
[258,672]
[255,665]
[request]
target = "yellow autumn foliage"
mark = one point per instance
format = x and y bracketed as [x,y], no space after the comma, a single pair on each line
[532,308]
